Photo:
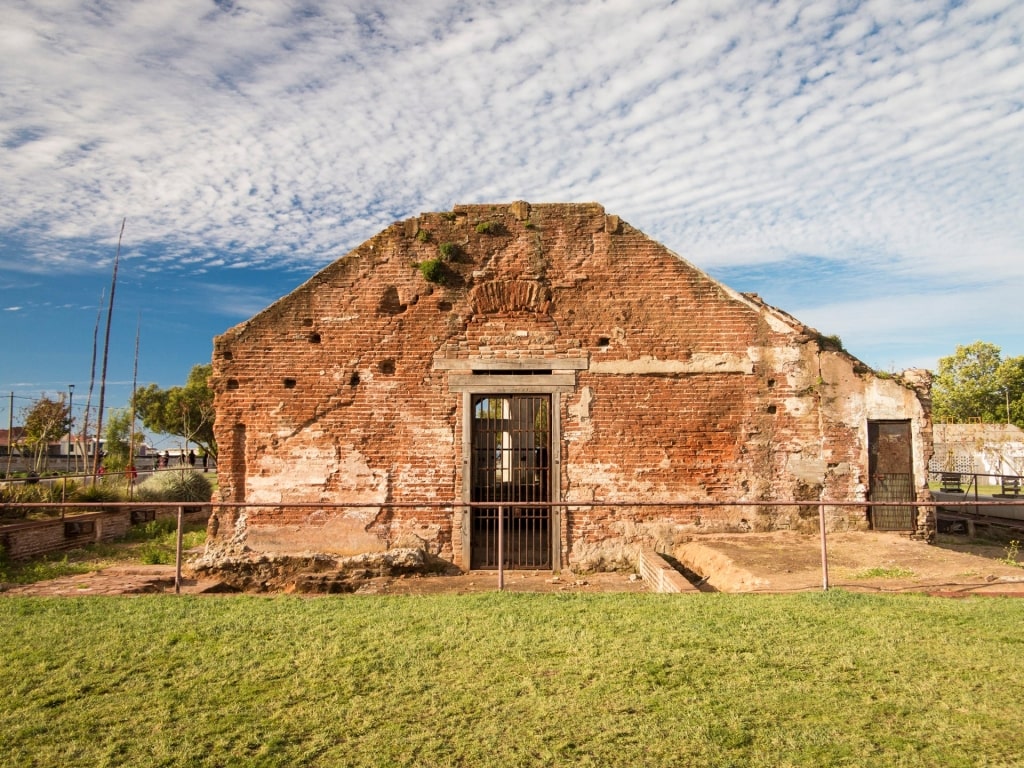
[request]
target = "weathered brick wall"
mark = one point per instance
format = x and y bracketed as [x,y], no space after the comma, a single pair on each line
[683,389]
[23,540]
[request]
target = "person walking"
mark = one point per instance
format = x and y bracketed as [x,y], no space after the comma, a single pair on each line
[191,459]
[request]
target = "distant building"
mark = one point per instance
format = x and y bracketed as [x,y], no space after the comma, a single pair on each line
[990,450]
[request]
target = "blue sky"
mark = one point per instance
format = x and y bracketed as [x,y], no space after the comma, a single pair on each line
[858,164]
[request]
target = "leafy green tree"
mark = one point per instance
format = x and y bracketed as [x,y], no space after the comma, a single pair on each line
[46,421]
[976,384]
[116,435]
[186,411]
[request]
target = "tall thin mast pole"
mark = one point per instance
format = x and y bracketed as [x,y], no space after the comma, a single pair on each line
[92,385]
[106,352]
[10,435]
[132,469]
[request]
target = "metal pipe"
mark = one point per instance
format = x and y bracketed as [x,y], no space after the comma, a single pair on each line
[71,424]
[177,556]
[824,548]
[501,547]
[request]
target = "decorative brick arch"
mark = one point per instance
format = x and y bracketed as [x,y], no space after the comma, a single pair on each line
[506,296]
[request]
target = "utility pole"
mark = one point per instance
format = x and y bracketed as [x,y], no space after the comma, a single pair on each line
[10,434]
[71,426]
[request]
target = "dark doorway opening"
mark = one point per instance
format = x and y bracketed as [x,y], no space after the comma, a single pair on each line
[511,449]
[891,471]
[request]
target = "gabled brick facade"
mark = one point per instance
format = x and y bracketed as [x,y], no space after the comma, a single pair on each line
[657,383]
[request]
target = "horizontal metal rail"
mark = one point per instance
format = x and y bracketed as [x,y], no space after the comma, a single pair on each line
[434,504]
[452,504]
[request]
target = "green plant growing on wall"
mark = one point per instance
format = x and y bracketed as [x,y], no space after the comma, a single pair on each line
[447,251]
[423,236]
[488,227]
[830,342]
[432,270]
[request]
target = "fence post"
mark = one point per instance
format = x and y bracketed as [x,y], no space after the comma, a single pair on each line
[824,548]
[501,547]
[177,556]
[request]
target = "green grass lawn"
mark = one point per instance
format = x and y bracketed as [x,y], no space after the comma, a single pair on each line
[823,679]
[983,490]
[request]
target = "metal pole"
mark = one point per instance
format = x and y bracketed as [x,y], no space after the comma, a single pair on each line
[501,548]
[10,434]
[71,424]
[177,556]
[824,548]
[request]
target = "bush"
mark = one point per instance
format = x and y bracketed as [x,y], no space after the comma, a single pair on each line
[448,251]
[175,486]
[432,270]
[98,493]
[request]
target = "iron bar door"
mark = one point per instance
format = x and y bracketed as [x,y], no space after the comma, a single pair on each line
[891,471]
[511,448]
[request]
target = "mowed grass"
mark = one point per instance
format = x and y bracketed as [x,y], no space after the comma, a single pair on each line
[824,679]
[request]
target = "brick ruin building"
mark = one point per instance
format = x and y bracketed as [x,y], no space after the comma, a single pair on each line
[554,359]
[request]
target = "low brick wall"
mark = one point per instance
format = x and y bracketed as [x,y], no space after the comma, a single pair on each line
[660,576]
[20,541]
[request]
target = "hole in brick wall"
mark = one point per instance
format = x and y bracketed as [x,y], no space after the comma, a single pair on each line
[771,383]
[232,383]
[772,409]
[307,321]
[444,306]
[386,367]
[390,303]
[314,338]
[353,380]
[603,341]
[226,354]
[289,383]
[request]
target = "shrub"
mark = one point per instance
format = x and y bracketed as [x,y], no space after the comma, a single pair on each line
[432,270]
[175,486]
[488,228]
[448,251]
[98,493]
[154,554]
[423,236]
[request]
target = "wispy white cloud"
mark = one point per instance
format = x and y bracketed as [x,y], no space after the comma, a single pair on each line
[249,133]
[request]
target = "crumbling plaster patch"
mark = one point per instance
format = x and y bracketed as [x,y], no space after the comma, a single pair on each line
[580,412]
[309,471]
[699,363]
[589,481]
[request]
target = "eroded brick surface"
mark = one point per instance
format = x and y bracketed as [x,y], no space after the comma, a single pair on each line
[679,389]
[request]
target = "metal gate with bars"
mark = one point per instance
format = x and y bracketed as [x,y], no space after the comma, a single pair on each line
[511,449]
[891,469]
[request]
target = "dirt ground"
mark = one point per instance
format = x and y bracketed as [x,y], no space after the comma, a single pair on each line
[766,563]
[862,562]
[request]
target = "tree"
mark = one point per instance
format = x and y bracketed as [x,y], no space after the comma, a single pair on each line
[116,436]
[46,421]
[186,411]
[976,384]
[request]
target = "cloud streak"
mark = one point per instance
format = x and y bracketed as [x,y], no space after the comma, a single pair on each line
[889,136]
